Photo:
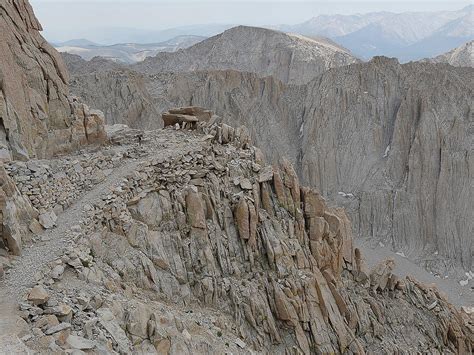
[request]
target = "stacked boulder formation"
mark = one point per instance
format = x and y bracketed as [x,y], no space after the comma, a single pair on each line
[186,117]
[204,247]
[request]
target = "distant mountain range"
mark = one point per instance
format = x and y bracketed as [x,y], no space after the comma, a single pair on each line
[407,36]
[126,52]
[113,35]
[290,58]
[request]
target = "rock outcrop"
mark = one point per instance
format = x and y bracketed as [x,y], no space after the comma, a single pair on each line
[37,117]
[179,241]
[392,143]
[204,247]
[291,58]
[462,56]
[115,90]
[16,214]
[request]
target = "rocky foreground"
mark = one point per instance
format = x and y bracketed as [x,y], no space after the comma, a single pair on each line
[185,241]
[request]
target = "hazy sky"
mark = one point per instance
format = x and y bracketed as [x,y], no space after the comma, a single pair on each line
[67,19]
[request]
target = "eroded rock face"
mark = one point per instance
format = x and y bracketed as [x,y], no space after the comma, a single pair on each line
[123,96]
[291,58]
[273,257]
[38,119]
[392,143]
[16,213]
[204,247]
[400,162]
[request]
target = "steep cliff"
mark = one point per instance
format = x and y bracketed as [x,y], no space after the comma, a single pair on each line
[400,140]
[290,58]
[392,143]
[37,117]
[198,246]
[115,90]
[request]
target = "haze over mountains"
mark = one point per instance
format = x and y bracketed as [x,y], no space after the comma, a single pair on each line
[126,52]
[406,36]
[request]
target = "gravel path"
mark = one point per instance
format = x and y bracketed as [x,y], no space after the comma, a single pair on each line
[52,244]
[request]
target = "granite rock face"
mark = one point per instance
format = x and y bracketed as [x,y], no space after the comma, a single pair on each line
[395,142]
[204,247]
[38,118]
[291,58]
[115,90]
[16,213]
[392,143]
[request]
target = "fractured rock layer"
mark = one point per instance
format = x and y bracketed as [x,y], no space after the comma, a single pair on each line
[37,118]
[392,143]
[205,247]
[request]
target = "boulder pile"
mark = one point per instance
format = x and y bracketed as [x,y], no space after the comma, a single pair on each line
[186,117]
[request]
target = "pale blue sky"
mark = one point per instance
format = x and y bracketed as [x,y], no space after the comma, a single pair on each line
[67,19]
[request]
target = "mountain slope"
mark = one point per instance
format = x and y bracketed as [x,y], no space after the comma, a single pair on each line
[453,34]
[114,89]
[184,240]
[193,244]
[334,25]
[462,56]
[344,131]
[289,58]
[127,52]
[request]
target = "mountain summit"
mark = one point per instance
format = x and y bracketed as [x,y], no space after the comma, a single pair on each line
[291,58]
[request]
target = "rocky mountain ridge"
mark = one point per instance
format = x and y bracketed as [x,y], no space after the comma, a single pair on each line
[185,240]
[358,133]
[290,58]
[204,247]
[462,56]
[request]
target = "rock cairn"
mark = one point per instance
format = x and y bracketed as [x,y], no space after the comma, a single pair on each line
[186,117]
